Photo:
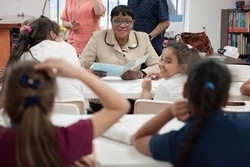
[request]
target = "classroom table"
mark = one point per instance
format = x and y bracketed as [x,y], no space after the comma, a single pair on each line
[131,89]
[111,153]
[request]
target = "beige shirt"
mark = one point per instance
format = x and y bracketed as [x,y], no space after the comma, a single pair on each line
[103,47]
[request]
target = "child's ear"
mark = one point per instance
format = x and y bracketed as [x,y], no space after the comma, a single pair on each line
[185,91]
[183,68]
[52,35]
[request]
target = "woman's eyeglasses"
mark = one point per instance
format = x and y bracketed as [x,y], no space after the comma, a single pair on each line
[125,22]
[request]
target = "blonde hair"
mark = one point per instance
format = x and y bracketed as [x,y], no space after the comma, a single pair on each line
[28,98]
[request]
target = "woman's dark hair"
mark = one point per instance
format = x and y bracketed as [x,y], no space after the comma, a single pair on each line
[124,10]
[207,87]
[39,31]
[28,99]
[185,56]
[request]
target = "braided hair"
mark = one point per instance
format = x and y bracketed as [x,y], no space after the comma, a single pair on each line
[207,87]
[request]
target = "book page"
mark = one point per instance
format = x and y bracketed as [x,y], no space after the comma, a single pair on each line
[123,130]
[118,70]
[134,63]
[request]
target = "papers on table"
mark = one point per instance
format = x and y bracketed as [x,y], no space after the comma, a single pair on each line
[118,70]
[123,130]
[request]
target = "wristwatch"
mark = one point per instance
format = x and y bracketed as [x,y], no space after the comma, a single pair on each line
[150,37]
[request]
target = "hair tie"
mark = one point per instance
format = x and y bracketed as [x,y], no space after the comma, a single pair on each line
[26,81]
[28,29]
[32,101]
[210,85]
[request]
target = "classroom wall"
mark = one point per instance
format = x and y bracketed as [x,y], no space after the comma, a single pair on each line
[28,7]
[200,13]
[207,13]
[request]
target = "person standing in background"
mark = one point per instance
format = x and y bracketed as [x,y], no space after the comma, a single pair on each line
[82,18]
[151,16]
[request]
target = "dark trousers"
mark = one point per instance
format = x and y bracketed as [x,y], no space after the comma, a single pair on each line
[96,107]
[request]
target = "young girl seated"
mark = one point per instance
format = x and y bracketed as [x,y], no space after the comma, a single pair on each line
[28,97]
[175,62]
[210,137]
[41,40]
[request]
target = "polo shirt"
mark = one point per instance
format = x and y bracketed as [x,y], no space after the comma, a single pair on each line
[171,88]
[74,142]
[224,141]
[148,14]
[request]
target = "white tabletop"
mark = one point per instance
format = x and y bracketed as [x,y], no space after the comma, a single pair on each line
[111,153]
[131,89]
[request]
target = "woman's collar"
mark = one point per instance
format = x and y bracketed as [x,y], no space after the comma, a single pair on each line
[111,40]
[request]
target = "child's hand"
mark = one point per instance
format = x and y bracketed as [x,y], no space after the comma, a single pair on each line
[87,161]
[59,67]
[181,110]
[146,85]
[154,76]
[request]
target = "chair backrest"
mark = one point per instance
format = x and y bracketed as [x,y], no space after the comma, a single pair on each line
[66,108]
[145,106]
[238,106]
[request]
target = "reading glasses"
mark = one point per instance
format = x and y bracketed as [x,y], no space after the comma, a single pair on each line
[125,22]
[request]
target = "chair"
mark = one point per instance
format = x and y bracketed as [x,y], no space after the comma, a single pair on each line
[145,106]
[66,108]
[237,106]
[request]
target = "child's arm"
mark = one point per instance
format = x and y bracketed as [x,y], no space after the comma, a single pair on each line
[142,138]
[245,88]
[114,105]
[146,88]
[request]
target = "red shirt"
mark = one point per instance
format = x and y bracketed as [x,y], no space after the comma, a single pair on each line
[74,141]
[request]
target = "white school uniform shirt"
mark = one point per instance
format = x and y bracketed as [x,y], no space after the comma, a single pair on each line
[68,89]
[171,88]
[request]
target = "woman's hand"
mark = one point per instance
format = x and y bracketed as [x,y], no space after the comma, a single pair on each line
[181,110]
[74,25]
[131,75]
[87,161]
[98,73]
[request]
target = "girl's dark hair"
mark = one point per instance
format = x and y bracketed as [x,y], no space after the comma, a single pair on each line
[28,98]
[124,10]
[185,56]
[207,86]
[40,31]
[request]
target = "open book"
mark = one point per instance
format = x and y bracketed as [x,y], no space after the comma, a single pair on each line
[123,130]
[118,70]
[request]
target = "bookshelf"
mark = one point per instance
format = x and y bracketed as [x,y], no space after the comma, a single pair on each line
[8,24]
[235,31]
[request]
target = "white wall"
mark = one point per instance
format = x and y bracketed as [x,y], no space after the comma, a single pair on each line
[200,13]
[28,7]
[207,13]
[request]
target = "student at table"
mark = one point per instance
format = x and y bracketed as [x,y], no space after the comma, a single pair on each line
[41,40]
[120,45]
[210,137]
[28,98]
[175,63]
